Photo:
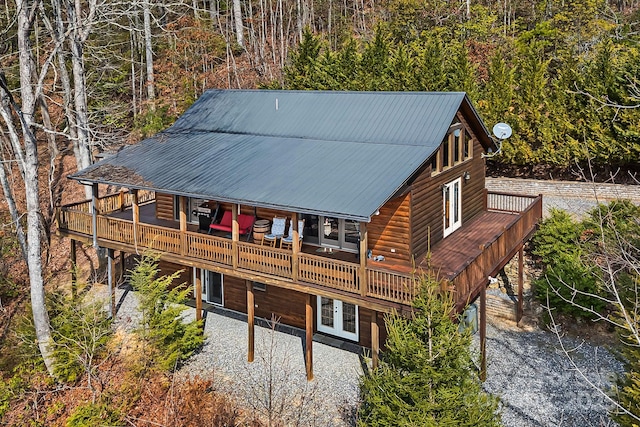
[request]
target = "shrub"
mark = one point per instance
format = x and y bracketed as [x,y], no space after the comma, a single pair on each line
[94,415]
[80,334]
[566,282]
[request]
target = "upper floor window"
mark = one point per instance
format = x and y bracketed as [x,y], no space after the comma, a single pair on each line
[457,147]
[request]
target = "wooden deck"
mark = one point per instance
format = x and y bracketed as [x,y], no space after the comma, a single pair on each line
[465,258]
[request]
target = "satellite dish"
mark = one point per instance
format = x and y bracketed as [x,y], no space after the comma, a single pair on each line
[502,131]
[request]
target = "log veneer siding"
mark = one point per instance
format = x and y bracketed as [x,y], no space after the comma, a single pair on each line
[164,206]
[427,205]
[390,230]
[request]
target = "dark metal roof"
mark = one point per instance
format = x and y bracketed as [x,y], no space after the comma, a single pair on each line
[336,153]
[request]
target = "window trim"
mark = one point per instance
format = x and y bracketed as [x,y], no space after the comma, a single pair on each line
[455,147]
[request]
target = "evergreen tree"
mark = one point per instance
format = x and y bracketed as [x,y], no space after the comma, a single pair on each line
[170,340]
[426,376]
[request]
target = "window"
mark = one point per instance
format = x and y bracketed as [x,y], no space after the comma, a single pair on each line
[456,148]
[192,204]
[331,232]
[257,286]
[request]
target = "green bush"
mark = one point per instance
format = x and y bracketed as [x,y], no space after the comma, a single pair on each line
[80,334]
[566,282]
[169,338]
[99,414]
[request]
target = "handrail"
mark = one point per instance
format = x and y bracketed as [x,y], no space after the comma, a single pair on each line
[391,286]
[509,202]
[111,202]
[494,253]
[312,269]
[329,272]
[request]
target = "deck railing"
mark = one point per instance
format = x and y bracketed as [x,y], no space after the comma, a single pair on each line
[311,269]
[112,202]
[495,253]
[507,202]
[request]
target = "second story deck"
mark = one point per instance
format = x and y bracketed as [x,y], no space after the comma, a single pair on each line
[465,259]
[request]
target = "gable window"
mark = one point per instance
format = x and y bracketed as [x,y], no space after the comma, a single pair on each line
[456,148]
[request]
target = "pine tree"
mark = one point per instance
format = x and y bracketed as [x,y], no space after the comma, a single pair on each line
[426,376]
[169,339]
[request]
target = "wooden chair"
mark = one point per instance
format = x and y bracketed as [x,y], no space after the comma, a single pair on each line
[277,231]
[288,241]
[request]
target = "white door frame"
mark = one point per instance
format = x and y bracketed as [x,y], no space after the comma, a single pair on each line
[451,211]
[337,329]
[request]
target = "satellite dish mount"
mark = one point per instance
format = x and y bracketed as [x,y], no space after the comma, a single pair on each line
[501,131]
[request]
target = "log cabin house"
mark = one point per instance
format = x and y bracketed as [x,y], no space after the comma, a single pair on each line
[375,188]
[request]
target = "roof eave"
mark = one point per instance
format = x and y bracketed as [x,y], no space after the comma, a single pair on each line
[341,215]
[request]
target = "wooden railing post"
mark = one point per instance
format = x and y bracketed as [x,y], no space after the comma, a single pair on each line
[182,200]
[235,229]
[94,214]
[295,245]
[485,199]
[135,207]
[363,259]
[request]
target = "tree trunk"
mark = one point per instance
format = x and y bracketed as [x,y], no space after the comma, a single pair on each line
[151,88]
[237,17]
[34,260]
[78,36]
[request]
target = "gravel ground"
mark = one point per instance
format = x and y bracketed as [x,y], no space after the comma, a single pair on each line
[526,367]
[538,384]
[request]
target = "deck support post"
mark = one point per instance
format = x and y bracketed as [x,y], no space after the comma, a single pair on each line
[74,270]
[295,246]
[375,340]
[309,337]
[112,294]
[122,269]
[235,229]
[250,321]
[94,214]
[520,284]
[483,333]
[363,258]
[135,207]
[198,292]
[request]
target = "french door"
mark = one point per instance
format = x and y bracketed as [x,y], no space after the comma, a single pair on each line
[452,206]
[212,287]
[338,318]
